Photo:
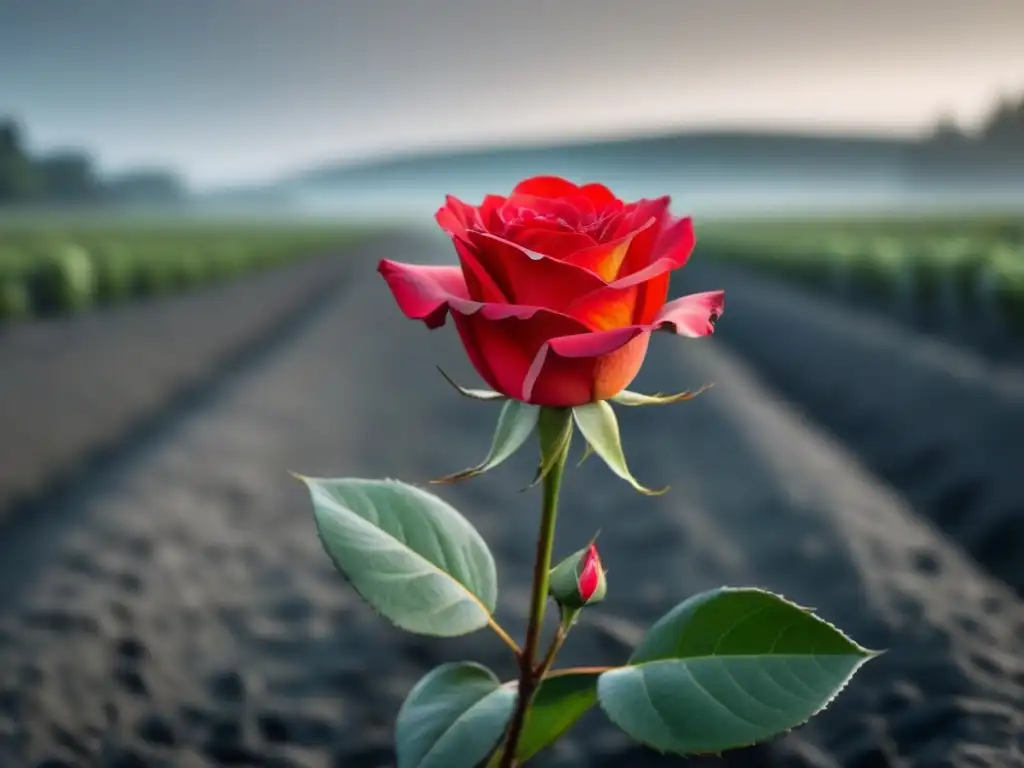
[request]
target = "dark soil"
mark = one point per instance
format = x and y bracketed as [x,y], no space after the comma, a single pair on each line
[173,605]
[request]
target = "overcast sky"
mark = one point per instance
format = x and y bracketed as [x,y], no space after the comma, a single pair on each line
[241,90]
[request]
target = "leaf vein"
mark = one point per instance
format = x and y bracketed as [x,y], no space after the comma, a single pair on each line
[721,704]
[732,678]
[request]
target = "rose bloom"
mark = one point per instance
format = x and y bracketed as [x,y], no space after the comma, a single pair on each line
[558,288]
[591,575]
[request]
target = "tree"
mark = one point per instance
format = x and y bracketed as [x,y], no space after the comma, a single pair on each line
[1005,125]
[68,177]
[19,179]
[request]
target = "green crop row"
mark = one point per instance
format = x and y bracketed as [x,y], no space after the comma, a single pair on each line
[956,269]
[46,273]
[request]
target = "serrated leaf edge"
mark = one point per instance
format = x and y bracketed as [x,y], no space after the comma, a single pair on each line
[865,654]
[453,664]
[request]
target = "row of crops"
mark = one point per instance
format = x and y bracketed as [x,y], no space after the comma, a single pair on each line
[948,271]
[49,269]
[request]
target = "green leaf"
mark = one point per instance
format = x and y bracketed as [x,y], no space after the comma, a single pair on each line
[475,394]
[599,426]
[562,699]
[625,397]
[515,424]
[453,718]
[408,553]
[726,669]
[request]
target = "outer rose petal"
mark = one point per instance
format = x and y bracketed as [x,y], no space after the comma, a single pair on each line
[502,349]
[455,217]
[488,212]
[589,578]
[424,292]
[579,369]
[675,244]
[633,215]
[643,250]
[501,340]
[480,284]
[650,298]
[694,315]
[530,278]
[636,298]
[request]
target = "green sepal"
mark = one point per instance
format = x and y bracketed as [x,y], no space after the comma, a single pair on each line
[600,427]
[625,397]
[516,423]
[475,394]
[588,451]
[555,429]
[564,579]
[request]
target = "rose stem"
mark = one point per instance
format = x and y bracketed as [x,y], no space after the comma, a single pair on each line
[529,678]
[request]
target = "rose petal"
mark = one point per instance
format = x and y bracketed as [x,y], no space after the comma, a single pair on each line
[650,298]
[642,251]
[636,298]
[605,260]
[488,212]
[694,315]
[590,575]
[596,344]
[583,205]
[480,284]
[551,242]
[450,223]
[599,194]
[456,217]
[530,278]
[581,368]
[675,244]
[634,214]
[525,209]
[424,292]
[546,186]
[606,308]
[502,345]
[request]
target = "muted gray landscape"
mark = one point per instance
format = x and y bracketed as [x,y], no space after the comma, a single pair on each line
[172,606]
[194,199]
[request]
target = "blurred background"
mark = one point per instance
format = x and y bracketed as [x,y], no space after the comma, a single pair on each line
[193,196]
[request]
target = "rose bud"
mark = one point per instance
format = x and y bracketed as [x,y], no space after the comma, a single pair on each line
[558,288]
[579,580]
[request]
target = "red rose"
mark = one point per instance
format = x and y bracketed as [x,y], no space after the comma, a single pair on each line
[558,288]
[591,578]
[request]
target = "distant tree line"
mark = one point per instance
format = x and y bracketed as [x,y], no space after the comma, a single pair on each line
[1003,128]
[70,177]
[992,153]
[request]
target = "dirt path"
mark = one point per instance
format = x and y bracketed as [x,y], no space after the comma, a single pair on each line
[942,425]
[72,388]
[177,608]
